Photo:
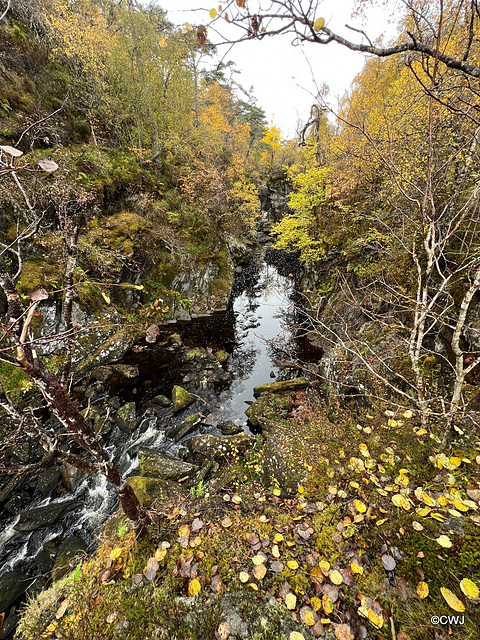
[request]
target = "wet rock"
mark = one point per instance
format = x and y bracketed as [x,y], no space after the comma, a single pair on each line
[272,374]
[71,476]
[114,402]
[69,551]
[150,490]
[21,453]
[229,428]
[47,481]
[126,417]
[44,561]
[220,376]
[17,502]
[11,485]
[102,373]
[208,468]
[195,354]
[43,516]
[222,356]
[128,371]
[97,349]
[98,417]
[162,400]
[210,420]
[12,586]
[278,387]
[176,340]
[181,398]
[154,464]
[211,446]
[179,431]
[10,622]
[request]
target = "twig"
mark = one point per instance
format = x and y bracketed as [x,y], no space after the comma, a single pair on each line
[6,11]
[60,108]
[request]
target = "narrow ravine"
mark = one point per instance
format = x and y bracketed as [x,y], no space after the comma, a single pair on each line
[254,331]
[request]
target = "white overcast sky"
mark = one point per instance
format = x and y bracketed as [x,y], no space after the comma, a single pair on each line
[279,72]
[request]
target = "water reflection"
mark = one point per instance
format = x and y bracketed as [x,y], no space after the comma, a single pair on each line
[262,309]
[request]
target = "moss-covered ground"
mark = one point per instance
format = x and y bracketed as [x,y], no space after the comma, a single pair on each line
[381,535]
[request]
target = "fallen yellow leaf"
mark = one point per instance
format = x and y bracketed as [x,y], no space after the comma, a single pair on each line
[452,600]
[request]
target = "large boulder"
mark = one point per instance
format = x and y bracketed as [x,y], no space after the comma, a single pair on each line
[154,464]
[150,490]
[12,485]
[210,446]
[43,516]
[278,387]
[47,481]
[181,398]
[12,586]
[179,431]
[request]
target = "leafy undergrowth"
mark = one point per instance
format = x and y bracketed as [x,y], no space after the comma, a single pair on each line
[381,537]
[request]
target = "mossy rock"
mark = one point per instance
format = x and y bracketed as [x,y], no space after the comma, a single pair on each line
[112,347]
[37,272]
[150,490]
[222,356]
[153,464]
[197,352]
[181,398]
[179,431]
[162,400]
[100,424]
[267,407]
[211,446]
[278,387]
[68,552]
[126,417]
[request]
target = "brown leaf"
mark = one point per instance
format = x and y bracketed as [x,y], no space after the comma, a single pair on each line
[201,34]
[331,592]
[106,575]
[259,571]
[388,562]
[152,563]
[185,566]
[62,608]
[38,294]
[149,575]
[253,539]
[216,584]
[277,567]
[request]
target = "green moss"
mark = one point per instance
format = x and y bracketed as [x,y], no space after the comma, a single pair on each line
[15,382]
[37,272]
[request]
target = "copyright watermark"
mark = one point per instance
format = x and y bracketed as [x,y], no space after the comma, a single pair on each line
[444,620]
